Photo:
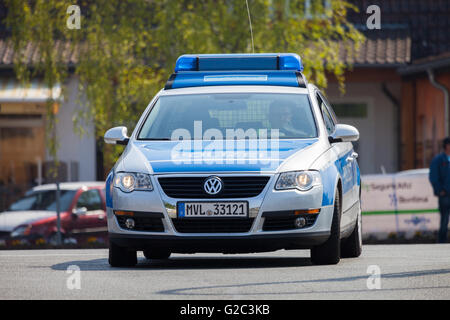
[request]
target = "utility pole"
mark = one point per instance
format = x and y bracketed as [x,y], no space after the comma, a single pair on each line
[58,216]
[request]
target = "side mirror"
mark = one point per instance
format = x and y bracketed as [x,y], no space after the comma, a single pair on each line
[117,135]
[78,211]
[344,133]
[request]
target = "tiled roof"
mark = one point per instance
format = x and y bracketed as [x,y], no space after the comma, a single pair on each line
[65,53]
[389,48]
[385,48]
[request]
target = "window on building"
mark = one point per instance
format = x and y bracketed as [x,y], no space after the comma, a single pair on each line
[307,9]
[350,110]
[315,9]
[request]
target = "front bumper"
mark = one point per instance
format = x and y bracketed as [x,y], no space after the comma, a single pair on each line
[257,239]
[221,244]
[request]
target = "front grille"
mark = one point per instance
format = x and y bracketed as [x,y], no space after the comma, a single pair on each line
[273,223]
[213,225]
[142,223]
[233,187]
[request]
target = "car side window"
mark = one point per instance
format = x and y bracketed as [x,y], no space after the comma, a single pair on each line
[326,114]
[91,200]
[329,109]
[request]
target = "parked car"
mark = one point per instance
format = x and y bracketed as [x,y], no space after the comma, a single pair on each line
[33,218]
[238,153]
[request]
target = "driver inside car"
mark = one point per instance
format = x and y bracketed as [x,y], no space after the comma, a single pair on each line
[281,115]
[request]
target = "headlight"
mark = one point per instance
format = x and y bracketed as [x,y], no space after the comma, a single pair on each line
[129,181]
[23,230]
[302,180]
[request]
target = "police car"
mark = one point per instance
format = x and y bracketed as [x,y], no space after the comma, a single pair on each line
[237,154]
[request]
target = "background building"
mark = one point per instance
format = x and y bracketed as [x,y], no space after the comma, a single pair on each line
[390,93]
[24,154]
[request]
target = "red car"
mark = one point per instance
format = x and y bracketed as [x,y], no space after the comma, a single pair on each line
[33,218]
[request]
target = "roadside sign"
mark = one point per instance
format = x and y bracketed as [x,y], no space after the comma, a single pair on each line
[398,203]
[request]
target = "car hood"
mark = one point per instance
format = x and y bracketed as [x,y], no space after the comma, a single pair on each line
[208,156]
[12,219]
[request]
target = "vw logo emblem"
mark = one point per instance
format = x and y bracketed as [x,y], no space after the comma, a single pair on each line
[213,185]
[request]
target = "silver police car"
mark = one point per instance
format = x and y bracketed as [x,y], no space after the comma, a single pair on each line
[237,154]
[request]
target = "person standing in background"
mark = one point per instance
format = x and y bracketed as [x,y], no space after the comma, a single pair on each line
[440,180]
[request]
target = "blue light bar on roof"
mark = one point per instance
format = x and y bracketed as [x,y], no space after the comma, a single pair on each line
[239,62]
[187,62]
[229,78]
[290,61]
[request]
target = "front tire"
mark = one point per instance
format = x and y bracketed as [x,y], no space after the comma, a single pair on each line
[330,251]
[121,257]
[352,246]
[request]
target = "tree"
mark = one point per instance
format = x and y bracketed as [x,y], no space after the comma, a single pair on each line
[127,48]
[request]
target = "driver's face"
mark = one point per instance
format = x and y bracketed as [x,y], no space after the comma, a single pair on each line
[286,114]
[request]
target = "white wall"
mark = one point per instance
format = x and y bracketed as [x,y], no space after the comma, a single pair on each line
[72,147]
[378,133]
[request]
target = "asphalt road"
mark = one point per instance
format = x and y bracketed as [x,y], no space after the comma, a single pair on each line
[406,272]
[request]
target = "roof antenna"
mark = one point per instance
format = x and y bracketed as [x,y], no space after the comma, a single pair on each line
[250,22]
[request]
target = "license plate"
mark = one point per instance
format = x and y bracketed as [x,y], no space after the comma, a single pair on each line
[212,209]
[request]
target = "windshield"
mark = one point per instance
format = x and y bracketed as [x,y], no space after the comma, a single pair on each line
[218,116]
[44,200]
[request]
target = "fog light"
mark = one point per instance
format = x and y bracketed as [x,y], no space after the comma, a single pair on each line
[300,222]
[129,223]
